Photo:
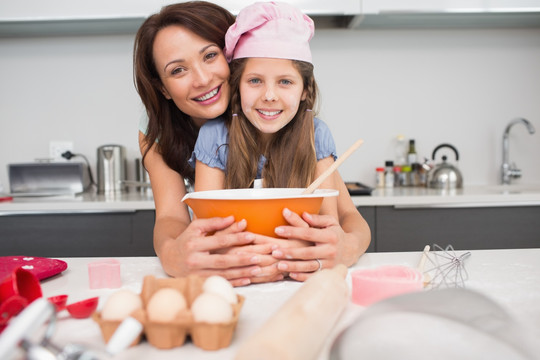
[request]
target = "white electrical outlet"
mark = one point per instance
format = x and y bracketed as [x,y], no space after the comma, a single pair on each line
[57,148]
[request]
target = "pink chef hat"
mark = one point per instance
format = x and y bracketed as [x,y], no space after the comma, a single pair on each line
[272,30]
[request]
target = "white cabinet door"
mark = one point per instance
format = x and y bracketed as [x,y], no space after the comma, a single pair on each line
[448,6]
[43,10]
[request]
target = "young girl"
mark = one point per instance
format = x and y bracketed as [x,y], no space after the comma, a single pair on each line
[271,138]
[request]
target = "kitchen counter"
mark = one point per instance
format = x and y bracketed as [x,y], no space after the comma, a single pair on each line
[88,201]
[509,277]
[469,196]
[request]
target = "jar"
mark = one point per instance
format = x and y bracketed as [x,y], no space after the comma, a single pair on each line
[397,176]
[406,176]
[389,174]
[379,177]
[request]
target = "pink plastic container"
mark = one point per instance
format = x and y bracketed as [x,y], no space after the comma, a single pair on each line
[374,284]
[104,274]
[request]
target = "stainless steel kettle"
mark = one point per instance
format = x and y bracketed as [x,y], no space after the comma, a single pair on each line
[445,175]
[111,169]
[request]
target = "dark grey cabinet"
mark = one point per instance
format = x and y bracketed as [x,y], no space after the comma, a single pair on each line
[78,234]
[368,213]
[410,229]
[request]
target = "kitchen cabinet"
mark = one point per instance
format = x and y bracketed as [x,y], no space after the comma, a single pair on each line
[368,213]
[448,6]
[78,233]
[411,228]
[72,17]
[448,14]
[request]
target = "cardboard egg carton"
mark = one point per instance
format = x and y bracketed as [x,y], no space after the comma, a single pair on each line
[172,334]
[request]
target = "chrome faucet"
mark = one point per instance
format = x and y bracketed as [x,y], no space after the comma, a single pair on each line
[510,171]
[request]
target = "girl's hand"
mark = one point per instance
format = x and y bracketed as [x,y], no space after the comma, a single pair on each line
[263,245]
[323,231]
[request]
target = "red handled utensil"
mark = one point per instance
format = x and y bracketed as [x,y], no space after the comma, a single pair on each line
[22,283]
[59,302]
[11,307]
[83,309]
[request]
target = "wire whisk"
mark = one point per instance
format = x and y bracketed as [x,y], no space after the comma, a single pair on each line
[447,268]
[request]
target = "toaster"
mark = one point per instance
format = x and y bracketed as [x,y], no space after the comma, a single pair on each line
[55,178]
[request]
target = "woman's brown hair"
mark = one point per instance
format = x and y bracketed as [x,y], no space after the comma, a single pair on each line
[175,131]
[290,155]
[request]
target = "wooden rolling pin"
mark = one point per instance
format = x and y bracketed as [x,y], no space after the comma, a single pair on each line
[301,326]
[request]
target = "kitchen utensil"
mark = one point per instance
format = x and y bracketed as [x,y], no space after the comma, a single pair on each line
[111,169]
[374,284]
[22,332]
[42,268]
[357,188]
[445,175]
[104,274]
[422,263]
[20,283]
[448,268]
[315,184]
[445,324]
[59,302]
[262,208]
[299,329]
[83,309]
[11,307]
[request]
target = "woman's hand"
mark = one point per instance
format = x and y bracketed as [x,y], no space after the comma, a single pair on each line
[194,251]
[323,231]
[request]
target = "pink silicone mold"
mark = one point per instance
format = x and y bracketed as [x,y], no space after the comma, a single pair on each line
[104,274]
[375,284]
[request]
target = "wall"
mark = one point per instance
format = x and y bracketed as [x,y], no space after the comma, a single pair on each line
[458,86]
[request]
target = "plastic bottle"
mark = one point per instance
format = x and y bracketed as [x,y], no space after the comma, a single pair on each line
[389,174]
[412,157]
[401,151]
[379,177]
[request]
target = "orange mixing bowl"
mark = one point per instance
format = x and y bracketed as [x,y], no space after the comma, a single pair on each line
[262,208]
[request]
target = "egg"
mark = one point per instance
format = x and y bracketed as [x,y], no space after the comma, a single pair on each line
[211,308]
[220,286]
[120,305]
[165,305]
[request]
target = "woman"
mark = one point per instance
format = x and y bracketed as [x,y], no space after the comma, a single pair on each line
[182,77]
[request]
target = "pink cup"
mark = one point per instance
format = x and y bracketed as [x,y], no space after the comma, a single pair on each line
[104,274]
[375,284]
[20,283]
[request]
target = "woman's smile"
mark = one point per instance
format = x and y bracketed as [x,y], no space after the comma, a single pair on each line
[210,96]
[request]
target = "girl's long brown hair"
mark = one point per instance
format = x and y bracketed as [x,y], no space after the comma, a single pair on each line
[175,131]
[291,158]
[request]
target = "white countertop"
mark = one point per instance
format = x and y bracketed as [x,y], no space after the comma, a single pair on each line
[509,277]
[90,201]
[469,196]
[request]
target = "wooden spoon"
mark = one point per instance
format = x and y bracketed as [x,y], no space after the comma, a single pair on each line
[314,185]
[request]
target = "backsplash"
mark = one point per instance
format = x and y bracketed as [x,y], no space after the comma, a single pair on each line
[453,86]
